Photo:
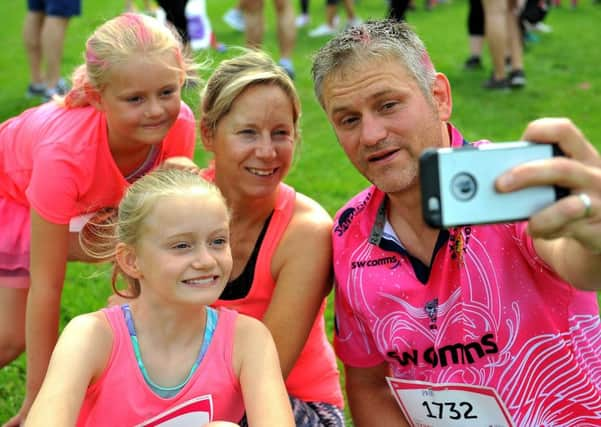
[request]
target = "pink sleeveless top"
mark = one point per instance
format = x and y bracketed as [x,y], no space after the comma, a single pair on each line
[121,396]
[314,377]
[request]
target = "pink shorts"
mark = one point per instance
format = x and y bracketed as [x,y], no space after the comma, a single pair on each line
[15,229]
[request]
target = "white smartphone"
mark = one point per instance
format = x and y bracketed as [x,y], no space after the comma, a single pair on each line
[458,184]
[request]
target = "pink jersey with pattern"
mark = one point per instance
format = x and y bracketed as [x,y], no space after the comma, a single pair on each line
[489,312]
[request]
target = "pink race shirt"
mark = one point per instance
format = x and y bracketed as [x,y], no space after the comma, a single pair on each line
[121,396]
[488,312]
[57,160]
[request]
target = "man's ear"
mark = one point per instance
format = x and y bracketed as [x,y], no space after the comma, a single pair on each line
[441,96]
[207,135]
[126,258]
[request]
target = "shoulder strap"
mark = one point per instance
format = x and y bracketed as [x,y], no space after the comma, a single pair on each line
[282,214]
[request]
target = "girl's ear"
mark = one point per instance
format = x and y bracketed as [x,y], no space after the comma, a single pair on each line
[126,258]
[207,135]
[94,97]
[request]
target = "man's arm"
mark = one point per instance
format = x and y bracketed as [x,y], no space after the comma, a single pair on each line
[370,398]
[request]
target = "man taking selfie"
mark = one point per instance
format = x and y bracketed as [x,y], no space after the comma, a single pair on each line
[472,325]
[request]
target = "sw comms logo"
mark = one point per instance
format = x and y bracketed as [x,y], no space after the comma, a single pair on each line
[376,262]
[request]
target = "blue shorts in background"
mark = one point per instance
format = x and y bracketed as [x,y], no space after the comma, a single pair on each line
[64,8]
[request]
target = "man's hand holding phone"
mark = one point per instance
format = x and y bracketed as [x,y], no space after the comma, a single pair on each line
[459,184]
[554,183]
[577,216]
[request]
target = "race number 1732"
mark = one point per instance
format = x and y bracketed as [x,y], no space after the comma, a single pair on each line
[427,404]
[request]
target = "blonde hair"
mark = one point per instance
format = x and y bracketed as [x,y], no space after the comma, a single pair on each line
[136,204]
[115,42]
[235,75]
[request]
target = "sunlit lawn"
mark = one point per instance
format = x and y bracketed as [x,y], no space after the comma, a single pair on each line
[563,80]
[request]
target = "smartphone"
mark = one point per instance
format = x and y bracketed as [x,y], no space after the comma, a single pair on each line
[458,184]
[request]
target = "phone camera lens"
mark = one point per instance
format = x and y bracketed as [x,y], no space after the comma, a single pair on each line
[464,186]
[433,204]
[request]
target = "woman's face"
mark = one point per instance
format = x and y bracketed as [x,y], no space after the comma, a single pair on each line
[253,145]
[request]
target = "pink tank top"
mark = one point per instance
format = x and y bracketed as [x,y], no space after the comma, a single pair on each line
[314,377]
[121,396]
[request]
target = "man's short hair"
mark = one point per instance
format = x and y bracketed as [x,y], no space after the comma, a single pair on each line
[369,41]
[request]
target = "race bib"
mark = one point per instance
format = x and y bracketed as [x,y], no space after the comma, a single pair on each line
[194,413]
[427,404]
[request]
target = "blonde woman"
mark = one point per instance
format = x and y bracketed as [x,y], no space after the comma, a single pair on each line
[280,238]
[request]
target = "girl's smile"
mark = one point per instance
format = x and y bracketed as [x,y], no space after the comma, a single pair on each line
[184,249]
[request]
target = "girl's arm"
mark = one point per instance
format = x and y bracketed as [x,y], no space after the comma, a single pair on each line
[255,360]
[49,249]
[79,358]
[302,267]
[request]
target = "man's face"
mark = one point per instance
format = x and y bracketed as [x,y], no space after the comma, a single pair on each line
[383,120]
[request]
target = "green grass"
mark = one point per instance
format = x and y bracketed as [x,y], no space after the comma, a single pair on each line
[563,80]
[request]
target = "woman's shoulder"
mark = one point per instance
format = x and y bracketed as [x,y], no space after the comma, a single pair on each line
[309,218]
[308,231]
[306,236]
[309,210]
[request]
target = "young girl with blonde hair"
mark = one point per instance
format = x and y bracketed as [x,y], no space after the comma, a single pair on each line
[171,358]
[69,158]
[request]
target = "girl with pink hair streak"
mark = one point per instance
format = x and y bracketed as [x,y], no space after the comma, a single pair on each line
[72,157]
